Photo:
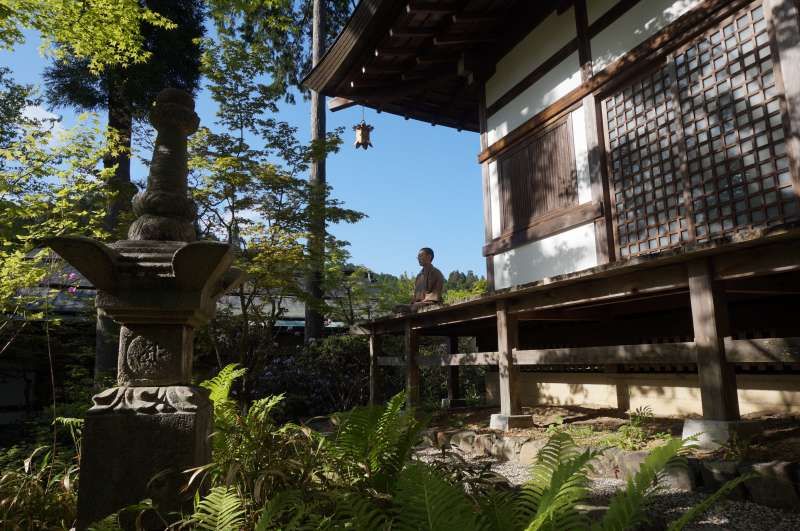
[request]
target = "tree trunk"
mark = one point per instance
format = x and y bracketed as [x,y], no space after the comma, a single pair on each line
[120,120]
[315,325]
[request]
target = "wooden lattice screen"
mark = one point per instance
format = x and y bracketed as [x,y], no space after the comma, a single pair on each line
[697,147]
[538,177]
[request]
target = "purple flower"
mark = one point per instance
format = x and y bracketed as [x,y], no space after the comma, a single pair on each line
[72,290]
[72,276]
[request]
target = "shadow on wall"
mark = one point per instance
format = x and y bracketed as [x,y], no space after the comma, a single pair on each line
[566,252]
[622,36]
[667,395]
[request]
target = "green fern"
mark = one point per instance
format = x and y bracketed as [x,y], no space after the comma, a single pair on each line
[559,483]
[373,443]
[693,513]
[220,385]
[627,507]
[425,501]
[220,510]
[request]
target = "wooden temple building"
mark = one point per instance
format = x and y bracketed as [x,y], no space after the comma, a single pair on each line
[640,167]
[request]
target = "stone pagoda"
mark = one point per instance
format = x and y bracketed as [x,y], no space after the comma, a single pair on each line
[159,285]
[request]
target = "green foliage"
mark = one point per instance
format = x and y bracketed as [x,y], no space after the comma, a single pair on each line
[559,482]
[219,510]
[103,32]
[373,443]
[626,509]
[460,287]
[41,494]
[426,501]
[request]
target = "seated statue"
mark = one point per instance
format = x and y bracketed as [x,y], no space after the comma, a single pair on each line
[428,285]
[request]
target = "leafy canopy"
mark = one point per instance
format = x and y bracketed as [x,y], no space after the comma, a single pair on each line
[104,32]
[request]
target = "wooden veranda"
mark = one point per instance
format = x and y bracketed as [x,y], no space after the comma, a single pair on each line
[715,309]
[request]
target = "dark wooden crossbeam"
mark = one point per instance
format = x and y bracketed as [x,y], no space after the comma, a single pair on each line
[474,19]
[458,39]
[430,8]
[395,52]
[412,32]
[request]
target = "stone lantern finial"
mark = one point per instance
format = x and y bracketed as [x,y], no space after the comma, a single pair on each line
[165,211]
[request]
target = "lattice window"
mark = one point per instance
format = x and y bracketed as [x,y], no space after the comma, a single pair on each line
[645,158]
[696,149]
[731,116]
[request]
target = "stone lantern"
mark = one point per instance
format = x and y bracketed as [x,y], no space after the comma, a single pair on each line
[159,285]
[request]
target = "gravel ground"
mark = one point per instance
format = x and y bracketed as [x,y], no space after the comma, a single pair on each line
[669,505]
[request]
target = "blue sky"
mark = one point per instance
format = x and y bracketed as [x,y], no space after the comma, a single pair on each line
[420,185]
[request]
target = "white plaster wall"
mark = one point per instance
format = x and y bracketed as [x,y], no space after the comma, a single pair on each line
[556,84]
[494,198]
[565,252]
[667,395]
[539,45]
[642,21]
[581,155]
[597,8]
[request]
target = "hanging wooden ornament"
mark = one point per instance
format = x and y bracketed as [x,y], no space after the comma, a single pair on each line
[362,135]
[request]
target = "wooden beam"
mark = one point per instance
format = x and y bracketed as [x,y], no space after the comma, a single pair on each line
[546,225]
[430,8]
[771,259]
[710,322]
[411,32]
[395,52]
[644,282]
[453,387]
[374,353]
[507,339]
[465,18]
[666,353]
[412,368]
[595,145]
[377,69]
[766,350]
[457,360]
[457,39]
[339,104]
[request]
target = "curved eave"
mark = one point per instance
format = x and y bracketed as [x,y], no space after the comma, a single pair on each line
[363,27]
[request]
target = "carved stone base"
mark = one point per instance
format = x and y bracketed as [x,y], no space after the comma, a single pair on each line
[130,454]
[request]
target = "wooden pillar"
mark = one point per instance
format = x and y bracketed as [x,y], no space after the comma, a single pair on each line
[412,369]
[507,338]
[710,320]
[782,20]
[453,391]
[374,352]
[623,392]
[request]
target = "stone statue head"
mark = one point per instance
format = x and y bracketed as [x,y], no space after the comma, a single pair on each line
[425,256]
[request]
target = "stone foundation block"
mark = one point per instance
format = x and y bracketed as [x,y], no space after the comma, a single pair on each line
[129,456]
[507,422]
[774,486]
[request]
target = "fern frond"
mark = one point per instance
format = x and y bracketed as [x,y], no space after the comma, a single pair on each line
[565,472]
[497,512]
[425,501]
[693,513]
[220,510]
[220,385]
[627,507]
